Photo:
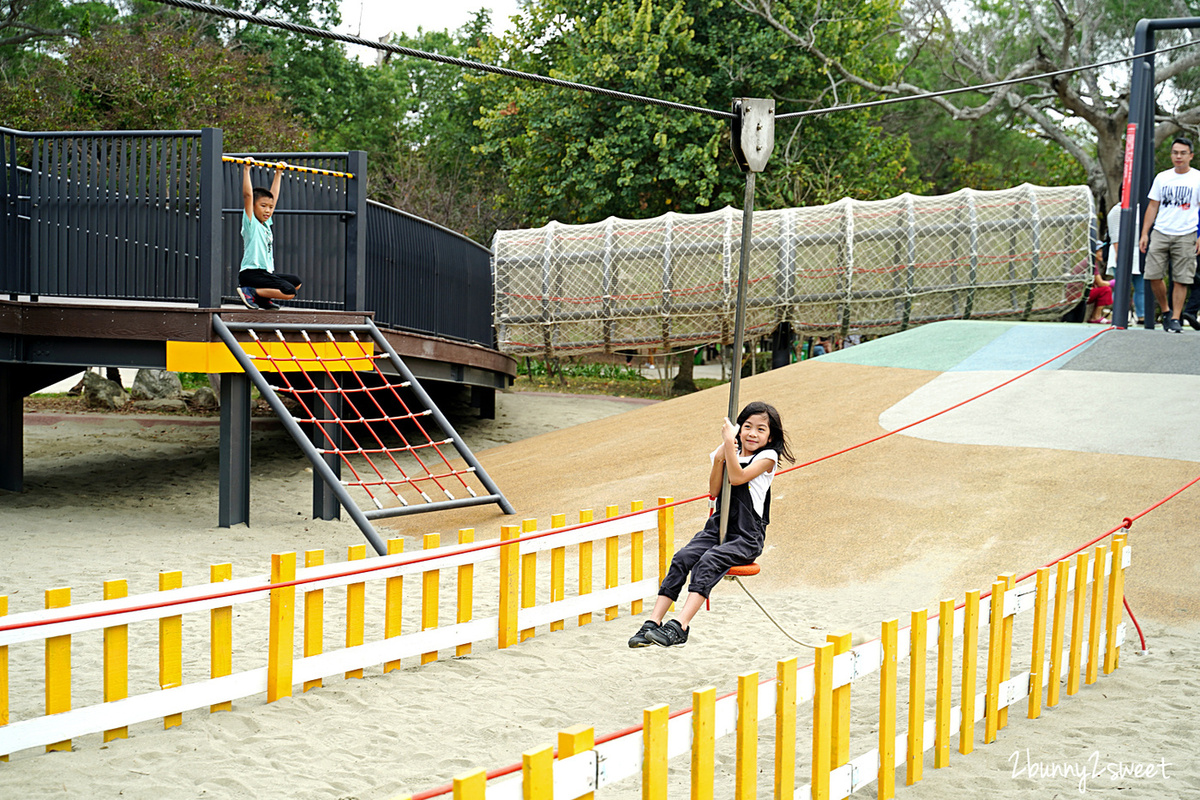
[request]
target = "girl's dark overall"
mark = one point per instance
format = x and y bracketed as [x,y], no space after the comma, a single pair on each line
[708,561]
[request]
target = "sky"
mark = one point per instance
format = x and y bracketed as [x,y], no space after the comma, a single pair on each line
[380,17]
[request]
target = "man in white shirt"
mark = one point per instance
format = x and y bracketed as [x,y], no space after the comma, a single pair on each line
[1172,214]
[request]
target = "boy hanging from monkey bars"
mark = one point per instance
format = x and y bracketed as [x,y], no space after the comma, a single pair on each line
[259,285]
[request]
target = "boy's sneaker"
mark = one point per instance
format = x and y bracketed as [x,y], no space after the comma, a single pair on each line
[639,639]
[671,634]
[267,304]
[248,297]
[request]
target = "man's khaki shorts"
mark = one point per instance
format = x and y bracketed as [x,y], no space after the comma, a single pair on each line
[1180,251]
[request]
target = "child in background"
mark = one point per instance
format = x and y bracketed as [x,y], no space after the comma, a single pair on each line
[259,286]
[751,450]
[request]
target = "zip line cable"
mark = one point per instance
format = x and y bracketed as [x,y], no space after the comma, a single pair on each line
[978,87]
[321,33]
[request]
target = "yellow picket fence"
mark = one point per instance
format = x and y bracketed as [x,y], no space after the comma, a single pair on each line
[1093,618]
[297,655]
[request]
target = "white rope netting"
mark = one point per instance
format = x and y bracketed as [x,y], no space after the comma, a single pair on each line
[850,267]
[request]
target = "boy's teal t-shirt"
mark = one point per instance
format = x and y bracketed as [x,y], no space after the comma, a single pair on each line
[258,242]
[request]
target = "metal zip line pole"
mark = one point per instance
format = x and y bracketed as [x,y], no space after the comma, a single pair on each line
[739,334]
[753,138]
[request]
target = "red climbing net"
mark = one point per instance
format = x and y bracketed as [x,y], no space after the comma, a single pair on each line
[365,417]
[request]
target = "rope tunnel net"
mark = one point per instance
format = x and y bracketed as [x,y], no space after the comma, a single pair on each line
[391,446]
[850,267]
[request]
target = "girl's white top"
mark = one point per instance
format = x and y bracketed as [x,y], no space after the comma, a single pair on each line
[759,485]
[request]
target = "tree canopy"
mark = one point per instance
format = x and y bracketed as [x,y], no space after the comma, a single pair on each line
[942,45]
[477,152]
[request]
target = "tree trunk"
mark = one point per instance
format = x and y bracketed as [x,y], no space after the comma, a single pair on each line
[685,382]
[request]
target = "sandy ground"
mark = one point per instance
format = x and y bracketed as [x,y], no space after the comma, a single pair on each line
[865,536]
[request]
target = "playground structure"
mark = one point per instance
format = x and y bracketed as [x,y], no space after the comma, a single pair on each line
[850,267]
[121,246]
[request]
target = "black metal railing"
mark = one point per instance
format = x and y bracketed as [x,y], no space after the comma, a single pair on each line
[156,216]
[423,277]
[102,214]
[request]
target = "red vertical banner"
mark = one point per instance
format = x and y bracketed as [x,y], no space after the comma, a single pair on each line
[1127,179]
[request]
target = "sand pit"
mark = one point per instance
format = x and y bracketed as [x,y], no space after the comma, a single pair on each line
[865,536]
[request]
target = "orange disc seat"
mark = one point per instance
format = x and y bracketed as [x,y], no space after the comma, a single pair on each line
[743,570]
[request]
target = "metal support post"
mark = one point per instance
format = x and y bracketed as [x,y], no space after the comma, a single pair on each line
[356,232]
[1139,161]
[234,502]
[327,437]
[12,431]
[212,189]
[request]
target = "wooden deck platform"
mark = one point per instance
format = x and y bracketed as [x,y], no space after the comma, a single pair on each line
[47,340]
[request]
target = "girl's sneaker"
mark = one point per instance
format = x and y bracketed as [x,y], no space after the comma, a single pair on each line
[248,297]
[639,639]
[670,634]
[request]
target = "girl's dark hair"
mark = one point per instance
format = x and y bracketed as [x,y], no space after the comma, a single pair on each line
[778,441]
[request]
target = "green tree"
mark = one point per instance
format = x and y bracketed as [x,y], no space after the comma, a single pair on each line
[578,157]
[948,45]
[123,79]
[29,29]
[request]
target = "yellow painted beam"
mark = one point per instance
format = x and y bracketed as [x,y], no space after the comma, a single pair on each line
[170,645]
[1058,629]
[636,550]
[785,728]
[945,674]
[886,779]
[666,537]
[58,667]
[1116,598]
[995,644]
[471,785]
[528,577]
[430,594]
[215,357]
[585,566]
[1037,655]
[704,742]
[509,575]
[116,658]
[654,752]
[558,570]
[1010,583]
[356,595]
[745,784]
[966,728]
[466,590]
[822,729]
[537,774]
[1077,619]
[914,762]
[575,740]
[220,626]
[611,567]
[314,616]
[393,603]
[282,634]
[840,753]
[1093,660]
